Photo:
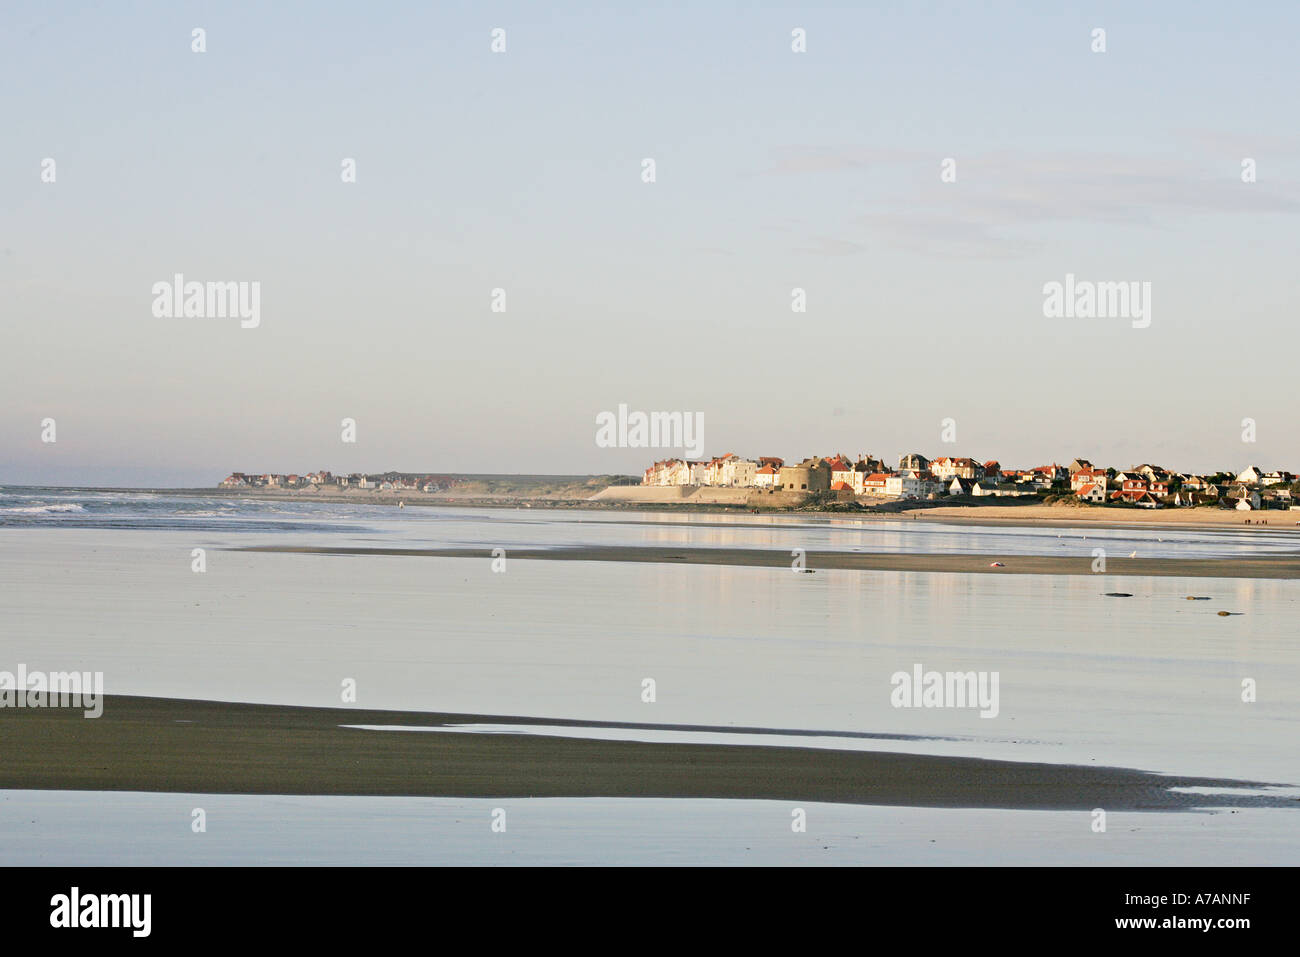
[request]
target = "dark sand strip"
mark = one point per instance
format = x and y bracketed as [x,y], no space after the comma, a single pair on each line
[1252,566]
[169,745]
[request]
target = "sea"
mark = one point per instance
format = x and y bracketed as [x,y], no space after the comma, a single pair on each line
[152,589]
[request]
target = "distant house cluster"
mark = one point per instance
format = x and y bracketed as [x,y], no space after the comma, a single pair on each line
[727,471]
[1151,486]
[917,477]
[388,481]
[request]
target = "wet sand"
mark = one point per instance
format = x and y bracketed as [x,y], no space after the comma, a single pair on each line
[1074,516]
[1253,566]
[180,746]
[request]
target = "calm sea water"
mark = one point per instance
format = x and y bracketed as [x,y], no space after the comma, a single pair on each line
[218,516]
[104,582]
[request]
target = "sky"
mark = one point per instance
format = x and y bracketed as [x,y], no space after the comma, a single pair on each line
[522,171]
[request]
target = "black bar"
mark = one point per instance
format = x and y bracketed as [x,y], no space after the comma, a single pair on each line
[978,906]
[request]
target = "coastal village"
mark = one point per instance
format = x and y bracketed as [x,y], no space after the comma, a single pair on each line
[322,481]
[869,480]
[842,481]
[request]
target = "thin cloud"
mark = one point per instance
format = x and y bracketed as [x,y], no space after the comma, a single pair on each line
[830,246]
[1002,201]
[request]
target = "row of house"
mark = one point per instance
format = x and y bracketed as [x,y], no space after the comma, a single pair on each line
[1150,486]
[725,471]
[917,477]
[388,481]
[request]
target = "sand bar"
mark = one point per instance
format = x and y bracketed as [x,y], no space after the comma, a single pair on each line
[1251,566]
[173,745]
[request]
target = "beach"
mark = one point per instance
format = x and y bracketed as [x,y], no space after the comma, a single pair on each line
[284,661]
[1285,566]
[159,744]
[1057,516]
[573,493]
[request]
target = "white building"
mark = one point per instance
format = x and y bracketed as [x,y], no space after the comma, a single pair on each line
[1093,493]
[906,485]
[876,483]
[731,471]
[1088,477]
[1249,501]
[842,471]
[743,472]
[669,472]
[948,468]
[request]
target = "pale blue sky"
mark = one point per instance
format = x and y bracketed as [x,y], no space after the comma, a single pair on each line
[522,170]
